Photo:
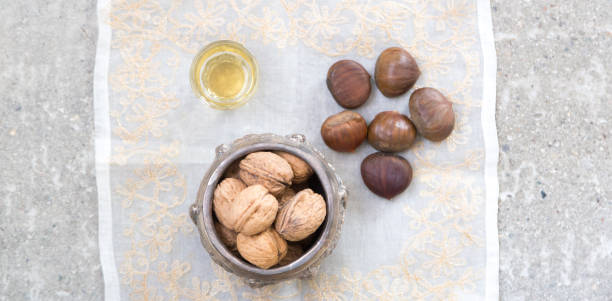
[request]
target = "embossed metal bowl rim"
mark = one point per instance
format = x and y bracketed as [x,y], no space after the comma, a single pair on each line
[205,213]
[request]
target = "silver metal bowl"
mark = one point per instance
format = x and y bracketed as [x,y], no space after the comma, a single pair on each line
[331,188]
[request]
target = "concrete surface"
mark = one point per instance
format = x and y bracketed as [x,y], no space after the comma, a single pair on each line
[48,199]
[554,120]
[553,112]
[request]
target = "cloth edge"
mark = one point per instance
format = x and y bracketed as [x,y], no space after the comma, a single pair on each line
[485,26]
[102,153]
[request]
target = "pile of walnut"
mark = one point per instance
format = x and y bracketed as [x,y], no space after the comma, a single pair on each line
[259,211]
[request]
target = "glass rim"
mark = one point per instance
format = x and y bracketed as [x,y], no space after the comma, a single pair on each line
[233,102]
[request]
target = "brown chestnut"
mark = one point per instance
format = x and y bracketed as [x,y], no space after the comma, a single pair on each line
[344,131]
[396,72]
[432,114]
[387,175]
[391,131]
[349,83]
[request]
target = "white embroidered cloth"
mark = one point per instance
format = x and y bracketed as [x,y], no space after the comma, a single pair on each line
[154,139]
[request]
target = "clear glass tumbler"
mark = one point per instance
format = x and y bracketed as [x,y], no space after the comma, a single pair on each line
[224,74]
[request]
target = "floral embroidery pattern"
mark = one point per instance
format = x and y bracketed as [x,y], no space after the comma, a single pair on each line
[151,39]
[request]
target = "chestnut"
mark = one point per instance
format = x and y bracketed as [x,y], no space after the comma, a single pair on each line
[349,83]
[344,131]
[432,114]
[396,72]
[386,175]
[391,131]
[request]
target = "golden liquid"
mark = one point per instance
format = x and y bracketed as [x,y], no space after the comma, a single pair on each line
[224,74]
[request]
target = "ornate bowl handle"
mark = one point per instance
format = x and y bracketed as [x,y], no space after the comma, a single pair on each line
[194,211]
[220,150]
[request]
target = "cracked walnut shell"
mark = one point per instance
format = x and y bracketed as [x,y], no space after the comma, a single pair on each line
[263,250]
[224,196]
[301,170]
[267,169]
[301,216]
[254,210]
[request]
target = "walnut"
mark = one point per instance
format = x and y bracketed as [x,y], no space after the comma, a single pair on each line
[254,210]
[293,253]
[301,170]
[301,216]
[267,169]
[264,250]
[285,196]
[227,236]
[224,196]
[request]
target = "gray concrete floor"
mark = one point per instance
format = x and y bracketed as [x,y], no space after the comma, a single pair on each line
[553,117]
[554,110]
[48,200]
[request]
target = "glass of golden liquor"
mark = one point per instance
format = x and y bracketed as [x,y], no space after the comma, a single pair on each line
[224,74]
